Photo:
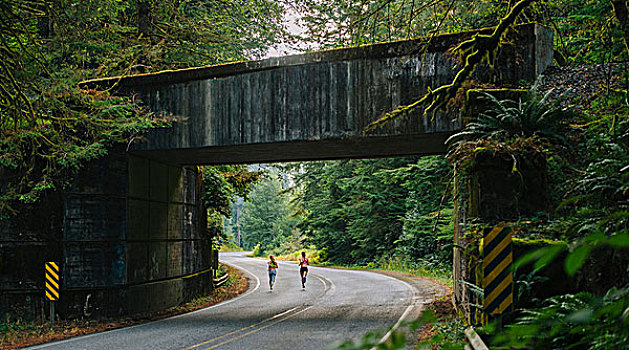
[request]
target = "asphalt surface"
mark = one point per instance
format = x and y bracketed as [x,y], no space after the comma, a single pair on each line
[335,305]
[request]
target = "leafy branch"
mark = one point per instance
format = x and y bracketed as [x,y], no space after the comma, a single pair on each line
[475,50]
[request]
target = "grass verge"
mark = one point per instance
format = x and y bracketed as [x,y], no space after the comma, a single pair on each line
[314,256]
[230,247]
[394,264]
[438,275]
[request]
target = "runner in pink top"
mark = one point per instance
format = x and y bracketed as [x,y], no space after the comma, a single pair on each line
[272,271]
[303,271]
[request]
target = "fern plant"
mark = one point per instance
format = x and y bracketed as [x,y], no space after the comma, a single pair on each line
[534,117]
[608,176]
[573,321]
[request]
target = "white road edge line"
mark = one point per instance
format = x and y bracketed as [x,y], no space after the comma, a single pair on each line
[226,301]
[42,346]
[404,314]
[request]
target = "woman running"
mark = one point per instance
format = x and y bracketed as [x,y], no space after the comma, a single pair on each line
[303,271]
[272,271]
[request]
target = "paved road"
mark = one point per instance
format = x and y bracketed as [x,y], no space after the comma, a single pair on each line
[336,305]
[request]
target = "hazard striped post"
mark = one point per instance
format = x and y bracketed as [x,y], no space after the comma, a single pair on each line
[497,270]
[52,286]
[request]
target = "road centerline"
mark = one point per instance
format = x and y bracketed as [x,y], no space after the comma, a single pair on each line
[244,328]
[286,313]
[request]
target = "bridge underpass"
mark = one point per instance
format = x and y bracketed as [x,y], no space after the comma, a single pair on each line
[135,215]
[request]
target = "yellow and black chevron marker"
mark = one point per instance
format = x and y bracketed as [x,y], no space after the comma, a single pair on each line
[497,270]
[52,281]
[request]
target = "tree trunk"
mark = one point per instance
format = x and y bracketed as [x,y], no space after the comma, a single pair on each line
[621,9]
[144,19]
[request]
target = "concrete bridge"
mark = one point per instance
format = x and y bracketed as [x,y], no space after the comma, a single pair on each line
[316,105]
[130,234]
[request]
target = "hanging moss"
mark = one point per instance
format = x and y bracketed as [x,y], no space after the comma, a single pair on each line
[481,47]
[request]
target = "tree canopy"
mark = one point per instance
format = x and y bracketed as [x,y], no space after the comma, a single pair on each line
[49,128]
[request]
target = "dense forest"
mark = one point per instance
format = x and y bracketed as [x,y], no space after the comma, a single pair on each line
[354,212]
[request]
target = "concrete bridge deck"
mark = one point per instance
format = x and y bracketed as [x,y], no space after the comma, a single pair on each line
[316,105]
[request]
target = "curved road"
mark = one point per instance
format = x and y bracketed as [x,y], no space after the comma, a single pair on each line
[336,305]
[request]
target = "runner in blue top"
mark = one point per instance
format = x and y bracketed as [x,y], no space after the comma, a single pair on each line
[303,271]
[272,271]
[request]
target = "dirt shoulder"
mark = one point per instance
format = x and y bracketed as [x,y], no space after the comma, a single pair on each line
[433,301]
[16,335]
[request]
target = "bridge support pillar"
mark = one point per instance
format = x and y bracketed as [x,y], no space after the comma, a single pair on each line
[491,188]
[130,234]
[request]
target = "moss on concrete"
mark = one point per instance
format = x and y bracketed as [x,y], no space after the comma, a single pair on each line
[537,242]
[440,43]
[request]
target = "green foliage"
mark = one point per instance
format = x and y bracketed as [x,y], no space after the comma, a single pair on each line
[524,285]
[589,176]
[433,268]
[361,211]
[45,156]
[379,212]
[345,23]
[315,256]
[572,321]
[104,38]
[586,31]
[230,246]
[506,120]
[542,256]
[481,48]
[221,186]
[446,332]
[218,193]
[595,212]
[395,338]
[49,129]
[12,330]
[370,341]
[384,212]
[257,251]
[594,218]
[356,22]
[267,221]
